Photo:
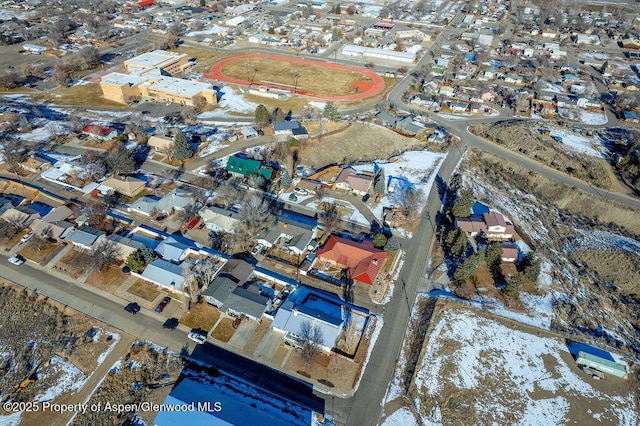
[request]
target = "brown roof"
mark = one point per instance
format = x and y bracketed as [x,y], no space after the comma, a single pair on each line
[494,219]
[471,224]
[364,262]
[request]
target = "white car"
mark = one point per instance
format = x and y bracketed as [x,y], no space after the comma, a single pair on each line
[17,260]
[26,237]
[300,191]
[197,337]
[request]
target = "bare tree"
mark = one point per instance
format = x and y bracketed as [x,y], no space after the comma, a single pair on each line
[104,253]
[310,339]
[352,335]
[410,199]
[255,214]
[13,153]
[205,272]
[186,214]
[329,218]
[191,287]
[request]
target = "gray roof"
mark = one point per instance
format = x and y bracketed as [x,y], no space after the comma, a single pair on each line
[220,218]
[164,273]
[299,236]
[176,199]
[233,274]
[144,205]
[287,321]
[85,236]
[246,299]
[286,125]
[58,213]
[119,239]
[172,250]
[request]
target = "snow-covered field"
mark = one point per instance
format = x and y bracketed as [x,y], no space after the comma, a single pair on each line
[589,145]
[416,169]
[66,376]
[503,375]
[583,116]
[232,102]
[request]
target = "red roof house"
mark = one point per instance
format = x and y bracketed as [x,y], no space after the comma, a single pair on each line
[364,261]
[145,3]
[100,132]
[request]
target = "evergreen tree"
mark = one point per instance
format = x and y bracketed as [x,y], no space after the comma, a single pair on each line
[393,244]
[514,285]
[494,255]
[380,240]
[277,115]
[136,262]
[468,268]
[285,180]
[457,242]
[262,115]
[380,183]
[331,112]
[120,160]
[182,147]
[462,207]
[529,266]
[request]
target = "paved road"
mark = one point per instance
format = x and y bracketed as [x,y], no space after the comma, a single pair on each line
[147,325]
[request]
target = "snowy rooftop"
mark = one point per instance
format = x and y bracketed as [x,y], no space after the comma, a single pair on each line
[178,86]
[119,79]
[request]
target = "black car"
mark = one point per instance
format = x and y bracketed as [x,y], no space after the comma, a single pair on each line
[132,307]
[171,323]
[365,198]
[161,218]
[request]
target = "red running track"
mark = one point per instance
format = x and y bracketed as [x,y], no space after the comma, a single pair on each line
[376,87]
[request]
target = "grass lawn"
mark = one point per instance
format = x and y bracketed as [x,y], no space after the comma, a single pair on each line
[74,263]
[202,316]
[145,290]
[86,95]
[311,78]
[224,330]
[97,143]
[38,256]
[109,279]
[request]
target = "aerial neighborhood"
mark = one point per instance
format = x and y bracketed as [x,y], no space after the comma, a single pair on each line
[319,212]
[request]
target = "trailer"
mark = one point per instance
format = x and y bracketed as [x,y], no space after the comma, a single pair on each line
[585,359]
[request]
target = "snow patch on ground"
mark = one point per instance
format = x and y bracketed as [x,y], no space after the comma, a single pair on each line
[598,240]
[470,352]
[583,144]
[230,102]
[372,336]
[12,419]
[67,378]
[401,417]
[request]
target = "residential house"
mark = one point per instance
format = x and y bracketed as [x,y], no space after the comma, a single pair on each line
[350,180]
[172,250]
[631,116]
[403,125]
[220,220]
[363,261]
[165,274]
[86,237]
[457,106]
[176,199]
[294,236]
[35,164]
[160,143]
[491,225]
[234,273]
[514,79]
[19,216]
[446,90]
[510,252]
[291,128]
[53,224]
[125,245]
[146,206]
[241,165]
[314,309]
[424,101]
[248,133]
[127,186]
[104,133]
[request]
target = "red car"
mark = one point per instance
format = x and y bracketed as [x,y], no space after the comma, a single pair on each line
[165,301]
[193,222]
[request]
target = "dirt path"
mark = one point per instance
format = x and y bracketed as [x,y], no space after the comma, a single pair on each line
[54,418]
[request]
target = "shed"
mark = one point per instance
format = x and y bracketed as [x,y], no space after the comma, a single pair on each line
[601,364]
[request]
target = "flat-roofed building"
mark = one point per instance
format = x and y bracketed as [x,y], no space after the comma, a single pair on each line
[167,62]
[122,88]
[177,90]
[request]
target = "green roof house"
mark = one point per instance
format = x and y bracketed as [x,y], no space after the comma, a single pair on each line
[248,167]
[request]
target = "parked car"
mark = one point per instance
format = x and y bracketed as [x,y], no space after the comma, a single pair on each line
[171,323]
[365,197]
[133,308]
[165,301]
[193,222]
[257,249]
[17,259]
[293,197]
[198,336]
[160,218]
[26,237]
[301,191]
